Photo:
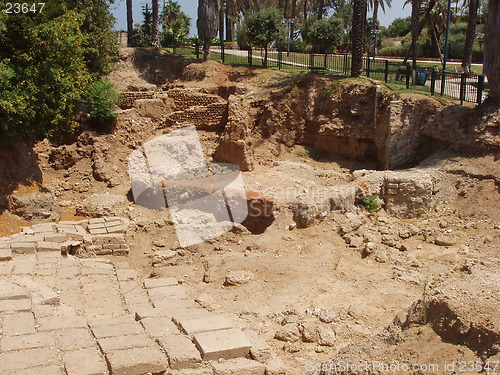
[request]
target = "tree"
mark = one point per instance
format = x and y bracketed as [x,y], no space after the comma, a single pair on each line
[325,34]
[155,40]
[493,48]
[358,32]
[48,61]
[208,23]
[470,36]
[375,4]
[265,27]
[399,27]
[175,24]
[130,23]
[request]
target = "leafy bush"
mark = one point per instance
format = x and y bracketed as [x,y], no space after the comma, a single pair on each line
[102,100]
[371,203]
[324,34]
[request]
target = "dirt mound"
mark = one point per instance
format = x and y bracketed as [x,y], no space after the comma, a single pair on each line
[143,69]
[213,73]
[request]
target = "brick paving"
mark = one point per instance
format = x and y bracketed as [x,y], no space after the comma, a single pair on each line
[65,315]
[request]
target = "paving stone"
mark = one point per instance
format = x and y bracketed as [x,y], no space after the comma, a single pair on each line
[65,321]
[21,323]
[73,339]
[31,341]
[260,350]
[126,274]
[136,361]
[23,248]
[159,326]
[239,366]
[55,237]
[6,269]
[67,272]
[29,239]
[24,266]
[10,291]
[213,322]
[140,340]
[24,359]
[97,220]
[117,330]
[197,371]
[116,320]
[40,370]
[48,246]
[175,291]
[156,283]
[46,296]
[5,255]
[181,351]
[96,271]
[229,343]
[116,229]
[276,366]
[86,361]
[98,231]
[15,305]
[96,226]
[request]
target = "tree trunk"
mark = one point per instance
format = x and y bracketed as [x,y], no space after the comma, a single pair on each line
[293,15]
[130,23]
[264,64]
[375,28]
[285,9]
[206,49]
[229,28]
[358,33]
[222,18]
[305,9]
[415,16]
[156,29]
[471,33]
[321,9]
[493,48]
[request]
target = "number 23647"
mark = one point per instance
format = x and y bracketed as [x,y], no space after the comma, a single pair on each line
[23,8]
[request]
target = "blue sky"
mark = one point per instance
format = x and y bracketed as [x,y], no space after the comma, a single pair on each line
[190,7]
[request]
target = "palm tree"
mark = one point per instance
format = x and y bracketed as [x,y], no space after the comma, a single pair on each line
[207,23]
[471,33]
[358,33]
[375,4]
[130,23]
[156,29]
[493,48]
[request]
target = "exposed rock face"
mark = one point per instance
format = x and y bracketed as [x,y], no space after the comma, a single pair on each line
[235,145]
[34,206]
[99,205]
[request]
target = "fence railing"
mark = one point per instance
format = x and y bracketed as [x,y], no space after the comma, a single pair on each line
[467,87]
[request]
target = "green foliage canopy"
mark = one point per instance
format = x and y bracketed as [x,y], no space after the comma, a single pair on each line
[325,34]
[45,68]
[265,27]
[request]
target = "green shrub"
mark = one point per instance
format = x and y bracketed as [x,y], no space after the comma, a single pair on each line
[371,203]
[102,100]
[303,153]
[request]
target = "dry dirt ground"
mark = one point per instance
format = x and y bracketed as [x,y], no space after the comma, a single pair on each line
[412,301]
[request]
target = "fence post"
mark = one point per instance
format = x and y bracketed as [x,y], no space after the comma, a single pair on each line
[443,82]
[311,60]
[386,71]
[433,82]
[463,82]
[480,88]
[197,49]
[280,59]
[368,66]
[222,51]
[345,63]
[408,72]
[250,56]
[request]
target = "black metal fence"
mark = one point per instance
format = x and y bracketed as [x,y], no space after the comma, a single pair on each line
[467,87]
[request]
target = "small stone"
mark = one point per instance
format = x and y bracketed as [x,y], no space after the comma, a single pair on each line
[289,333]
[326,336]
[236,278]
[310,331]
[445,239]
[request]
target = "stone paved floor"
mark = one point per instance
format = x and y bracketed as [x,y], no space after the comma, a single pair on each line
[60,314]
